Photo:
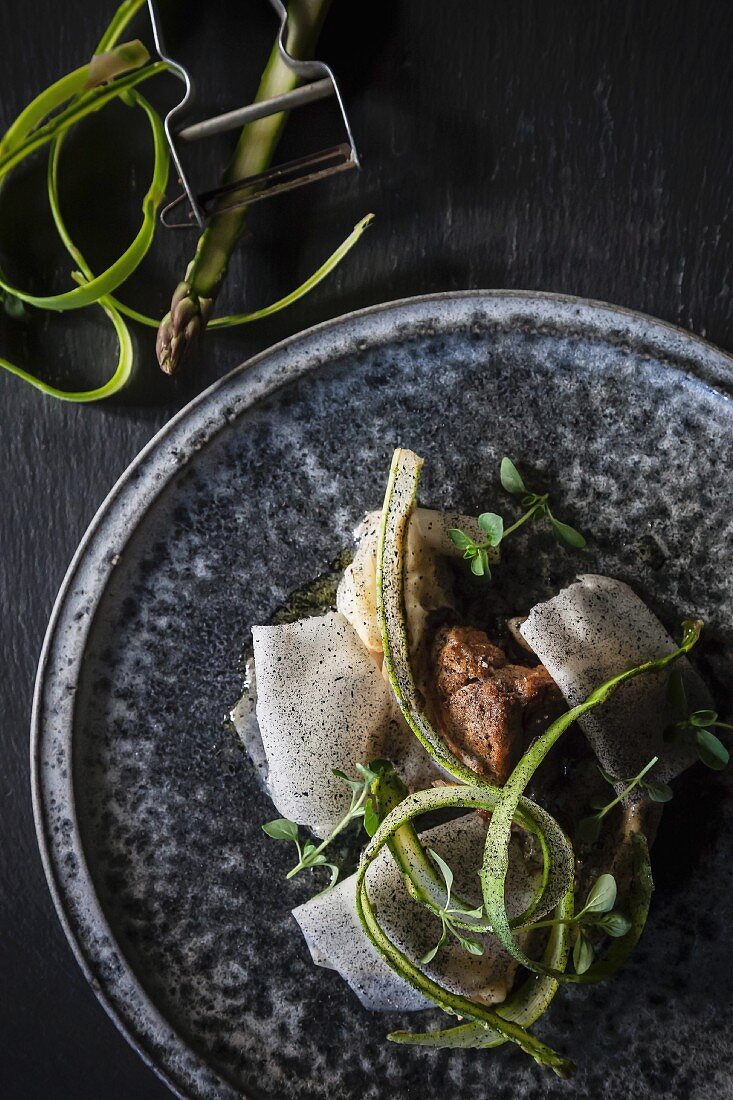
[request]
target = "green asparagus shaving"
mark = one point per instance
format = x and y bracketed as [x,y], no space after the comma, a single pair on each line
[415,805]
[27,134]
[492,525]
[589,828]
[399,503]
[114,72]
[312,281]
[696,727]
[312,855]
[497,838]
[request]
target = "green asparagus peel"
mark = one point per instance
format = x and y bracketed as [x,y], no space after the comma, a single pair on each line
[115,72]
[399,504]
[193,298]
[495,866]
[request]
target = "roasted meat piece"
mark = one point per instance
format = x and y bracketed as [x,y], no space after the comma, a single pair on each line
[489,710]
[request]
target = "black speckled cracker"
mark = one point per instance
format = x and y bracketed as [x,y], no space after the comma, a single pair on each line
[148,813]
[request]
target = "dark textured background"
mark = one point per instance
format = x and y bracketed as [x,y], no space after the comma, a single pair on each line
[571,147]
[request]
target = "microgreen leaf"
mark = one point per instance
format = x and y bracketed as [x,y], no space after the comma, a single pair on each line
[658,791]
[477,565]
[703,718]
[582,954]
[493,527]
[614,924]
[460,539]
[371,818]
[434,951]
[472,946]
[711,750]
[676,693]
[445,872]
[567,534]
[281,829]
[474,914]
[511,479]
[312,855]
[601,896]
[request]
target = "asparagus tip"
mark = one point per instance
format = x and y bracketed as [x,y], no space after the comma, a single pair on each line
[181,327]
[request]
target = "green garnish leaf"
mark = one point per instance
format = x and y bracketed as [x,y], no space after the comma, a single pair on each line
[445,872]
[474,914]
[511,479]
[478,565]
[614,924]
[601,896]
[460,539]
[582,954]
[658,791]
[493,527]
[472,946]
[434,951]
[711,750]
[281,829]
[567,534]
[703,718]
[371,817]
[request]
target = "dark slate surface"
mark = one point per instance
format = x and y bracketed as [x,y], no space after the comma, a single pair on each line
[579,149]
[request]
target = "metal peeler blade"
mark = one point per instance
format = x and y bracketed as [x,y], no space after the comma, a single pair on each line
[318,82]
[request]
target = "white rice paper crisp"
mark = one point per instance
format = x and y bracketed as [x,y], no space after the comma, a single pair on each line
[336,939]
[322,703]
[589,632]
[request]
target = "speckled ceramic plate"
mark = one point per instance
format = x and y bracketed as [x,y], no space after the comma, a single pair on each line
[149,815]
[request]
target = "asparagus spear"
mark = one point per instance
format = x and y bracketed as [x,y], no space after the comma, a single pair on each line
[193,299]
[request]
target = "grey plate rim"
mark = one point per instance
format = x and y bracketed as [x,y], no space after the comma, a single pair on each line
[75,900]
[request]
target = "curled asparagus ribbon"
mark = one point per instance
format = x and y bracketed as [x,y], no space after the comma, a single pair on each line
[116,71]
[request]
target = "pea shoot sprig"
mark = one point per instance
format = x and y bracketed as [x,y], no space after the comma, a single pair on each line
[446,914]
[535,505]
[362,806]
[598,912]
[589,828]
[695,727]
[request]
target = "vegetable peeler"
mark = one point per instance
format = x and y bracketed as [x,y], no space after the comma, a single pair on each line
[316,82]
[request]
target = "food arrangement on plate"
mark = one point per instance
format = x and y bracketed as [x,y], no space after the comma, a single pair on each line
[492,869]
